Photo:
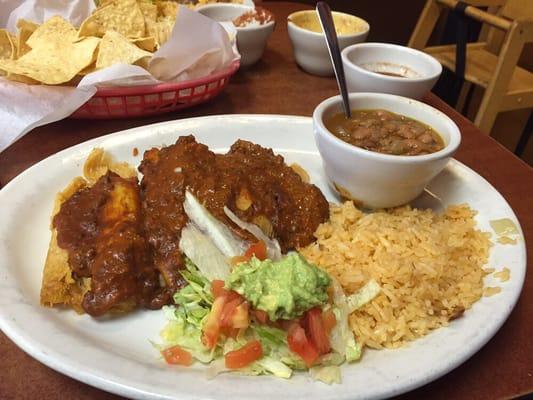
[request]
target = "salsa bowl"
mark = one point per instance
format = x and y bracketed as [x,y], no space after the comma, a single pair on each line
[389,68]
[252,37]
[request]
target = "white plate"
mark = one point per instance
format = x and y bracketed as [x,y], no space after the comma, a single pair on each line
[116,355]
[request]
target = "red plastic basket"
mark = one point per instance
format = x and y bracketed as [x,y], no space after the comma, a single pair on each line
[136,101]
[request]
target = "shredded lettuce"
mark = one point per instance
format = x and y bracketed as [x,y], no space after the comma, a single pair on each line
[275,367]
[270,336]
[193,305]
[184,327]
[364,295]
[328,374]
[342,339]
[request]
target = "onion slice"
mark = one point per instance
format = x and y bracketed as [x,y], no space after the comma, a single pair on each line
[272,245]
[219,233]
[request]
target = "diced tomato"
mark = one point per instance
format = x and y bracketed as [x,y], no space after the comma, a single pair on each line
[299,344]
[261,316]
[230,332]
[211,328]
[244,356]
[217,288]
[240,318]
[258,250]
[329,320]
[316,331]
[228,311]
[232,295]
[286,324]
[176,355]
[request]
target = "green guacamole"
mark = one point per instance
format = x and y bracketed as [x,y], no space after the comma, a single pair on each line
[283,289]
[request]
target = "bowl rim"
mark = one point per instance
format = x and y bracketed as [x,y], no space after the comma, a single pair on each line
[255,27]
[350,64]
[223,5]
[321,34]
[236,6]
[450,147]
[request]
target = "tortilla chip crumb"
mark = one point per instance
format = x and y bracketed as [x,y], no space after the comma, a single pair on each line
[99,162]
[504,275]
[491,291]
[301,172]
[506,240]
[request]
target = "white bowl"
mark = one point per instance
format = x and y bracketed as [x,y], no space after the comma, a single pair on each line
[420,70]
[310,49]
[377,180]
[251,40]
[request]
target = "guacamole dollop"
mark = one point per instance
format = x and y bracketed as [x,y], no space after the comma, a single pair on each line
[284,289]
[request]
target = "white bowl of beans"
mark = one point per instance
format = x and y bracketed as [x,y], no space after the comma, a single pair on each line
[389,68]
[387,152]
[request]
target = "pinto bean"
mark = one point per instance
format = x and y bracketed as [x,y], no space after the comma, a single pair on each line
[426,138]
[405,131]
[385,132]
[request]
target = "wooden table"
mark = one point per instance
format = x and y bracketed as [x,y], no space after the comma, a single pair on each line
[502,369]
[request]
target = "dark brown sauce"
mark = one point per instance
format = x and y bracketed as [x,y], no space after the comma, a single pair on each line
[100,227]
[385,132]
[125,237]
[276,197]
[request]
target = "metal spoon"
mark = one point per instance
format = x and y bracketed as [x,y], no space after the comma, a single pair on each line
[328,26]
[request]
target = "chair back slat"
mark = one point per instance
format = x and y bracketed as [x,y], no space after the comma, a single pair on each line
[517,9]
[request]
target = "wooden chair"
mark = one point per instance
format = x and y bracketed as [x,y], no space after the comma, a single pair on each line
[491,63]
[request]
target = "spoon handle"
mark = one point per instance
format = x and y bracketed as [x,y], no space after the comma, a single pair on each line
[328,26]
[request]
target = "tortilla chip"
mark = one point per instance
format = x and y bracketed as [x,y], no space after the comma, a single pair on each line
[115,49]
[26,24]
[99,162]
[26,29]
[163,29]
[148,43]
[6,45]
[21,79]
[167,9]
[22,46]
[14,43]
[56,62]
[103,3]
[87,70]
[59,286]
[123,16]
[148,9]
[56,27]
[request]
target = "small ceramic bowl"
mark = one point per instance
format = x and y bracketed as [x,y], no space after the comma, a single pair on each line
[251,39]
[376,180]
[310,49]
[389,68]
